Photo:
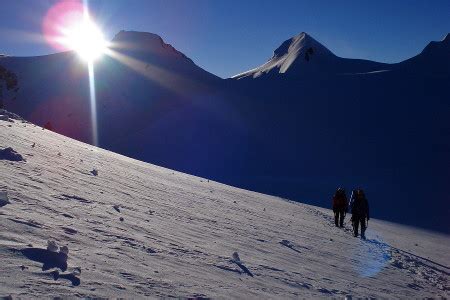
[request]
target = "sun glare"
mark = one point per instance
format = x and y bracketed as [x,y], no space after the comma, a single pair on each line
[86,39]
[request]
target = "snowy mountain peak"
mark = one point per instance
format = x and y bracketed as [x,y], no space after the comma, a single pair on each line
[301,44]
[301,54]
[145,42]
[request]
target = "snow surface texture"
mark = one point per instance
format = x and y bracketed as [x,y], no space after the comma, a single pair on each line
[138,230]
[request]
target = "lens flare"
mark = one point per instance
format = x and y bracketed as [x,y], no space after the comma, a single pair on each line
[69,26]
[60,16]
[86,39]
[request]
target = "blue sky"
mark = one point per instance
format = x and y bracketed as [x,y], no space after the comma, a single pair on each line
[228,37]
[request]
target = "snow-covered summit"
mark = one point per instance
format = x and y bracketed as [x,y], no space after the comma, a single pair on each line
[302,55]
[298,49]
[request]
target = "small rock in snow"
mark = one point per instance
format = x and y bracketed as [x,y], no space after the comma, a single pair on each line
[117,208]
[121,219]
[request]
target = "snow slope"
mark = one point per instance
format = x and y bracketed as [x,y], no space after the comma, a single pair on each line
[178,234]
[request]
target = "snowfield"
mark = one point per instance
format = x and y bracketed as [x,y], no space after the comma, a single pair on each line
[136,230]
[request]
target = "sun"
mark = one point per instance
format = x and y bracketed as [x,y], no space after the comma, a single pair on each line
[85,38]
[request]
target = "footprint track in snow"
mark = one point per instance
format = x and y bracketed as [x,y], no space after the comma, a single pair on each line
[421,269]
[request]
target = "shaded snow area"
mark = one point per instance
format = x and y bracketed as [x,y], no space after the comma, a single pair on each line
[131,229]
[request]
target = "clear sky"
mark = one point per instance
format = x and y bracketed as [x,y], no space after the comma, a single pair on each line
[227,37]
